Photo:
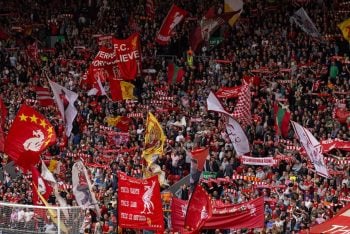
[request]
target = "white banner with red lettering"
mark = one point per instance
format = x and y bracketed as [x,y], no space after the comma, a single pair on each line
[139,203]
[128,56]
[174,17]
[268,161]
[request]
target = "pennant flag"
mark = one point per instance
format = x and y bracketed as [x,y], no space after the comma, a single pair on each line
[42,186]
[121,90]
[139,203]
[237,136]
[242,111]
[301,18]
[178,214]
[175,74]
[30,134]
[3,115]
[174,17]
[97,90]
[235,6]
[208,25]
[150,9]
[345,28]
[312,147]
[229,92]
[154,139]
[197,163]
[199,210]
[213,104]
[65,101]
[43,95]
[282,118]
[128,53]
[82,187]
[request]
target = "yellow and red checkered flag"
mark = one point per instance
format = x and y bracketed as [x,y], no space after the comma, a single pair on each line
[31,133]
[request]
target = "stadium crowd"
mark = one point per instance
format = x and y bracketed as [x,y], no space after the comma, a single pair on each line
[263,38]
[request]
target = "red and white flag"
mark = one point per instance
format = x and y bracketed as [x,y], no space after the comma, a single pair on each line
[98,89]
[199,209]
[40,185]
[65,101]
[139,203]
[3,114]
[229,92]
[174,17]
[242,111]
[198,157]
[268,161]
[214,104]
[312,147]
[150,9]
[128,56]
[178,214]
[43,95]
[237,136]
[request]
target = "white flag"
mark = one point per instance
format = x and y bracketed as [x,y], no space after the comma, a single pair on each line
[301,19]
[237,136]
[65,101]
[213,104]
[82,187]
[312,147]
[46,174]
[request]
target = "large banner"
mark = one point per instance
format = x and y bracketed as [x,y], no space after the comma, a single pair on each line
[312,147]
[244,215]
[128,56]
[139,203]
[174,17]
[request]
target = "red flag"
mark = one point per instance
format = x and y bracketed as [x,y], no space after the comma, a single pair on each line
[341,114]
[178,214]
[174,17]
[150,9]
[282,118]
[199,210]
[128,54]
[123,123]
[200,155]
[121,90]
[43,187]
[30,134]
[175,73]
[3,114]
[229,92]
[43,95]
[242,111]
[139,203]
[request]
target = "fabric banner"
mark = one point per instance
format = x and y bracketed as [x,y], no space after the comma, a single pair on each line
[330,144]
[3,115]
[30,134]
[139,203]
[312,147]
[268,161]
[120,122]
[213,104]
[197,163]
[128,56]
[121,90]
[65,101]
[282,118]
[242,112]
[301,18]
[82,187]
[178,214]
[237,136]
[175,74]
[154,139]
[244,215]
[43,95]
[228,92]
[233,6]
[199,209]
[174,17]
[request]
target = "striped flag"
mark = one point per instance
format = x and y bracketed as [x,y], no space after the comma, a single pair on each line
[242,111]
[43,95]
[175,73]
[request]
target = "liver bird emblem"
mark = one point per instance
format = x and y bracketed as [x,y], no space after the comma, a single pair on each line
[148,205]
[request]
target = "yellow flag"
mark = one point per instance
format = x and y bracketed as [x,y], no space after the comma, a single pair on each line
[154,139]
[53,165]
[112,121]
[235,8]
[127,90]
[345,29]
[52,213]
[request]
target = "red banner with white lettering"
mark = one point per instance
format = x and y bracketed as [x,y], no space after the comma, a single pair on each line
[174,17]
[128,56]
[228,92]
[244,215]
[139,203]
